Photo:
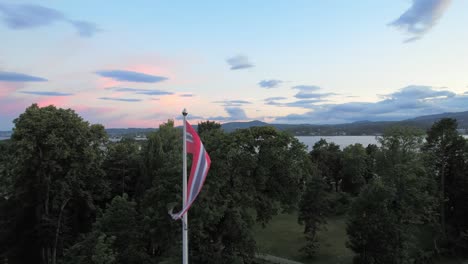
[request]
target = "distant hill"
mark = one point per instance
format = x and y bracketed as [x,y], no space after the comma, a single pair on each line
[356,128]
[462,118]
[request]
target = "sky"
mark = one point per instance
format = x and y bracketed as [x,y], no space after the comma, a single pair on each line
[139,63]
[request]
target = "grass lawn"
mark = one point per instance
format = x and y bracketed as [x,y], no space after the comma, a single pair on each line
[283,237]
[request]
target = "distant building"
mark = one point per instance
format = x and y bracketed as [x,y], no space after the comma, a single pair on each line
[140,138]
[115,139]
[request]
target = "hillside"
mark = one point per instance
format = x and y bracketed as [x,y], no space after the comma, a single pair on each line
[355,128]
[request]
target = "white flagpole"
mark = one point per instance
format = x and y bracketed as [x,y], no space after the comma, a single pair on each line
[184,195]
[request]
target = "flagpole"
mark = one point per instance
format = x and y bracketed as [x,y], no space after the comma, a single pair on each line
[184,195]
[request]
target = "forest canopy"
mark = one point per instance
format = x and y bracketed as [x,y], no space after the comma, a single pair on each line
[69,195]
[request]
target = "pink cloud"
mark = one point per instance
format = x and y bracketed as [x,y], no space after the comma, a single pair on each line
[58,101]
[7,88]
[103,83]
[152,70]
[150,64]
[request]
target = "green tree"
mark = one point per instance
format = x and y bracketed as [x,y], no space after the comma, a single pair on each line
[208,126]
[354,168]
[122,167]
[57,181]
[314,207]
[161,185]
[6,168]
[117,237]
[371,161]
[255,174]
[327,156]
[399,144]
[397,206]
[445,158]
[372,226]
[103,253]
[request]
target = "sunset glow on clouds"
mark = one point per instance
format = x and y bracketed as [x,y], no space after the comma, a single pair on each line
[303,62]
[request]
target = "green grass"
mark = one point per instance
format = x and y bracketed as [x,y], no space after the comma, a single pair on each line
[283,237]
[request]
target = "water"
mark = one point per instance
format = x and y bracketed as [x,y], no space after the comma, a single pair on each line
[342,141]
[4,138]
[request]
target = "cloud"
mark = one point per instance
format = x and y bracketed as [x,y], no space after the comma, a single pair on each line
[274,103]
[419,92]
[26,16]
[84,28]
[120,99]
[306,95]
[130,76]
[186,95]
[421,17]
[46,93]
[140,91]
[275,98]
[154,92]
[234,114]
[19,77]
[308,104]
[270,83]
[191,117]
[306,88]
[239,62]
[229,103]
[408,102]
[308,92]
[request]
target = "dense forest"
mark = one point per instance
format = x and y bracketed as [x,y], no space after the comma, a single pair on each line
[68,195]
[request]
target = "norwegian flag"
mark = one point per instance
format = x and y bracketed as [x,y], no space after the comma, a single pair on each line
[200,165]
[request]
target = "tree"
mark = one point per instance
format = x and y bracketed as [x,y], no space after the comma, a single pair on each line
[327,156]
[399,144]
[314,207]
[117,237]
[354,168]
[58,180]
[161,186]
[208,126]
[445,150]
[396,207]
[103,253]
[6,168]
[122,167]
[372,228]
[371,161]
[255,174]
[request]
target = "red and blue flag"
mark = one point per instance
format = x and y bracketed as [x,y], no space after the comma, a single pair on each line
[200,165]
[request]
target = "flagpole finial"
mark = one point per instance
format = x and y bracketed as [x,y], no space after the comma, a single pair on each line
[184,112]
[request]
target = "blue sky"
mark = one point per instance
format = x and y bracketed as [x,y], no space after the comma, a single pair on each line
[139,63]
